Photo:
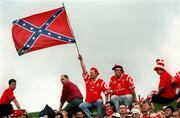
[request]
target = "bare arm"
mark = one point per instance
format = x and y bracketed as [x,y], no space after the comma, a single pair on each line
[60,107]
[82,63]
[160,89]
[134,95]
[16,103]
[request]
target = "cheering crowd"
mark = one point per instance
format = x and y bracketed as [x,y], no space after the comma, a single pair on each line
[120,97]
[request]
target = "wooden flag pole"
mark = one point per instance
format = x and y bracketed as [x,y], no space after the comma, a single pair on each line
[72,31]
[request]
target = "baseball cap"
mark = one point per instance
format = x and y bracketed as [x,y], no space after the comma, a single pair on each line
[117,66]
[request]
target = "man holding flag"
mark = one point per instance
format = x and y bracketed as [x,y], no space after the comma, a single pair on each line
[94,87]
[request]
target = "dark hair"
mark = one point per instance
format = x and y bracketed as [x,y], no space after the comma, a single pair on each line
[65,76]
[146,101]
[61,116]
[170,107]
[78,110]
[11,81]
[122,104]
[109,102]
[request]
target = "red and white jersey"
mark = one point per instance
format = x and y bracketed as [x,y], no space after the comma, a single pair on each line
[166,83]
[176,82]
[94,88]
[122,85]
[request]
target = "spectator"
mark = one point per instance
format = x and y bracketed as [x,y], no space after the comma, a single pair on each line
[138,106]
[123,110]
[121,88]
[165,93]
[176,114]
[176,83]
[109,111]
[79,114]
[6,98]
[160,114]
[94,87]
[168,110]
[146,105]
[71,94]
[136,113]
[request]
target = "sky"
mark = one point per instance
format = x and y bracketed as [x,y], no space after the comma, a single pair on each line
[132,33]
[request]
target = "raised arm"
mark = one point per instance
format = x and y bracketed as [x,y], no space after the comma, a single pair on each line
[82,63]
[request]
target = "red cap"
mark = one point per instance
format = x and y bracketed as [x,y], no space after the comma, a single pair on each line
[159,64]
[17,113]
[118,66]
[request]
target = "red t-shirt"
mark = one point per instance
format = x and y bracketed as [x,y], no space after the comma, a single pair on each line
[7,96]
[69,92]
[177,81]
[122,85]
[94,88]
[166,83]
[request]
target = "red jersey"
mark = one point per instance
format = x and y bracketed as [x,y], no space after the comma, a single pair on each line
[176,80]
[69,92]
[166,83]
[7,96]
[122,85]
[94,88]
[176,83]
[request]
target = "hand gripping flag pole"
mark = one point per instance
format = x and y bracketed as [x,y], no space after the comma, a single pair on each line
[72,33]
[42,30]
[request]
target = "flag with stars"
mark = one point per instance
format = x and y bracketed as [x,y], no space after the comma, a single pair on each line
[42,30]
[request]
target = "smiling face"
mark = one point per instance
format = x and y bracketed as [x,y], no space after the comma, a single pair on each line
[118,72]
[93,74]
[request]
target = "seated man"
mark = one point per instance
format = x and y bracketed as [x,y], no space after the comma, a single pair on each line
[165,93]
[70,93]
[5,101]
[122,88]
[94,87]
[176,84]
[79,114]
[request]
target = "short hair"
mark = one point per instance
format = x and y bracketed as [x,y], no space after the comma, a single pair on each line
[77,111]
[137,103]
[66,76]
[109,102]
[122,105]
[169,107]
[146,101]
[11,81]
[61,116]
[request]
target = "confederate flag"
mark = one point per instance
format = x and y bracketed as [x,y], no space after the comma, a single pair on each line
[41,31]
